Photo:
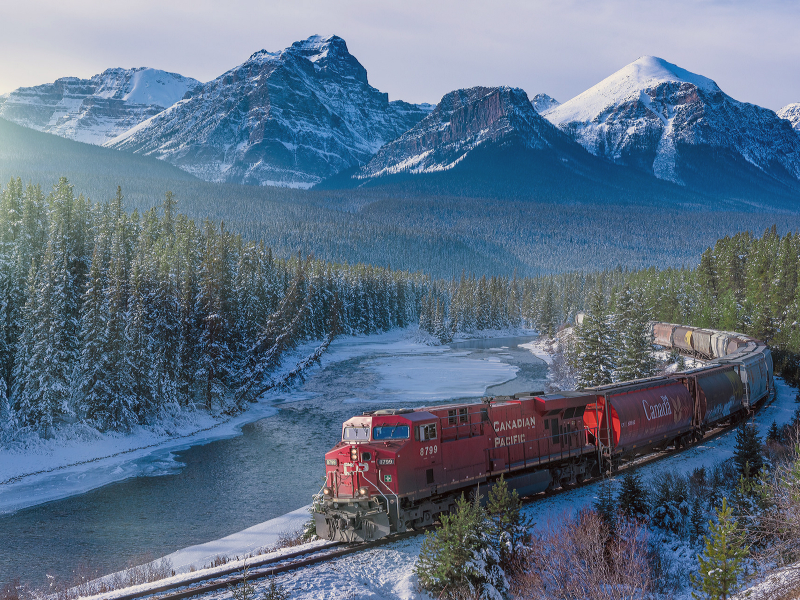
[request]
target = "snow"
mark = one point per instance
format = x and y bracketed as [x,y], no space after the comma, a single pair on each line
[248,541]
[387,572]
[626,84]
[543,102]
[791,112]
[154,87]
[537,348]
[82,459]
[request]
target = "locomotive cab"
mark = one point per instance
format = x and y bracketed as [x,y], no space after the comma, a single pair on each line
[360,496]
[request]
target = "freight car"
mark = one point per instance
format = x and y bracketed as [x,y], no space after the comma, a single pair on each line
[399,469]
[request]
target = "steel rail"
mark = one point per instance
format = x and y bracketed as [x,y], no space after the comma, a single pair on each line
[269,567]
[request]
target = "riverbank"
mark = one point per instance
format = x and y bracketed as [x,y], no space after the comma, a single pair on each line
[78,458]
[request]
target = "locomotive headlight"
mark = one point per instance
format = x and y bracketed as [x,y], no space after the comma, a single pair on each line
[363,491]
[353,453]
[327,491]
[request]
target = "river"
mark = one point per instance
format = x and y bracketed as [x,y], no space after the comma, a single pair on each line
[221,487]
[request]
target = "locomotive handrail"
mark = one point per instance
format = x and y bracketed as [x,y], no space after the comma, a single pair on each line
[384,497]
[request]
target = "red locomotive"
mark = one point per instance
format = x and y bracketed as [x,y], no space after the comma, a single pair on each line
[397,469]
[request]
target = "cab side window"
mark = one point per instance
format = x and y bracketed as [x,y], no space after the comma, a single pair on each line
[426,432]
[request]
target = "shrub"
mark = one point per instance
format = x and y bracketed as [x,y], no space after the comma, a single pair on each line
[458,559]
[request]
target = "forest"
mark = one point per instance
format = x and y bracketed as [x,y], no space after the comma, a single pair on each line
[533,231]
[109,318]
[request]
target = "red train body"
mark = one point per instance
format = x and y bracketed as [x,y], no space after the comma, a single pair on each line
[397,469]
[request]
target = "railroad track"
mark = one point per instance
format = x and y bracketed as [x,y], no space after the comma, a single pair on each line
[259,569]
[268,567]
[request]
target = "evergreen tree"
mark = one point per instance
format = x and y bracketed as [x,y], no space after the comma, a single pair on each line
[722,562]
[606,507]
[774,434]
[632,498]
[594,350]
[635,358]
[93,394]
[508,526]
[458,557]
[747,451]
[697,519]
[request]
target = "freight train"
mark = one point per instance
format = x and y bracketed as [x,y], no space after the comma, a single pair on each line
[399,469]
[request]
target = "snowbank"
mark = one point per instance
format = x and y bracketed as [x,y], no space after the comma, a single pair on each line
[79,459]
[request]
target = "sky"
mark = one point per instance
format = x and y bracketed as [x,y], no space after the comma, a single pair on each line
[418,50]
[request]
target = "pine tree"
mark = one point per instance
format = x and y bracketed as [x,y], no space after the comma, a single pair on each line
[594,350]
[93,343]
[722,561]
[458,558]
[774,434]
[697,519]
[508,526]
[632,497]
[747,451]
[606,507]
[635,358]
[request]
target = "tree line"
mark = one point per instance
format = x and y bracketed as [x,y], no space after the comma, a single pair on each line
[110,318]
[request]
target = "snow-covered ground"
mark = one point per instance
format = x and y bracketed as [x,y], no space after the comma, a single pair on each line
[387,572]
[80,459]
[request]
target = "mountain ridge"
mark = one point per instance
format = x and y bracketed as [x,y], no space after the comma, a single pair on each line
[97,109]
[287,118]
[653,115]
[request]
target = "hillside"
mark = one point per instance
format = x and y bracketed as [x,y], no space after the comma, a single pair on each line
[415,223]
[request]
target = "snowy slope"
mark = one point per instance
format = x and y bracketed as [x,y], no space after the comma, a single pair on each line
[287,118]
[97,109]
[658,117]
[388,572]
[462,121]
[791,112]
[543,102]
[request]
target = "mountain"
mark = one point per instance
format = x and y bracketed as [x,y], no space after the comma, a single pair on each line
[655,116]
[543,102]
[98,109]
[288,118]
[791,112]
[464,120]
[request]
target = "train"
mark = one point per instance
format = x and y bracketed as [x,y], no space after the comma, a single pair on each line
[399,469]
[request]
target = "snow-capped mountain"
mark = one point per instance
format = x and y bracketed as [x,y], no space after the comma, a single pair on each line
[791,112]
[543,102]
[464,120]
[679,126]
[98,109]
[287,118]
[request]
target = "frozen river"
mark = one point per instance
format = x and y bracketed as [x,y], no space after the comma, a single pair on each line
[211,490]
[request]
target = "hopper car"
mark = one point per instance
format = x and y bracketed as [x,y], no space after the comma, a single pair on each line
[398,469]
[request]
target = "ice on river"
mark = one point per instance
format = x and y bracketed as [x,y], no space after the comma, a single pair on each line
[406,370]
[387,572]
[437,377]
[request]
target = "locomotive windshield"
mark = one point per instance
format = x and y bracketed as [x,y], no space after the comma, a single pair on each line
[391,432]
[356,433]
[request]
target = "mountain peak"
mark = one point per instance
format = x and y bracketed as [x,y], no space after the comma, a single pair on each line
[791,112]
[543,102]
[463,120]
[647,69]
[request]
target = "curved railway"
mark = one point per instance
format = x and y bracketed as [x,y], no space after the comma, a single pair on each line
[396,470]
[712,415]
